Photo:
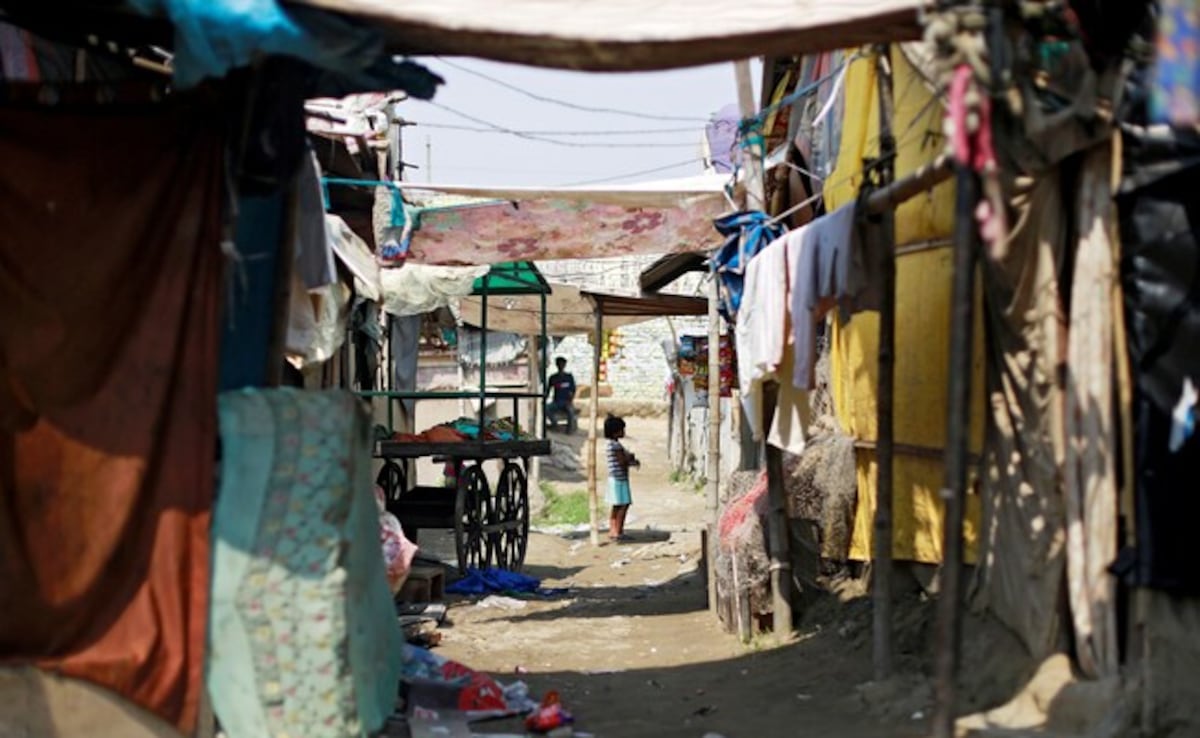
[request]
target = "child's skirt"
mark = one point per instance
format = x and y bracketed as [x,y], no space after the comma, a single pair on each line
[618,492]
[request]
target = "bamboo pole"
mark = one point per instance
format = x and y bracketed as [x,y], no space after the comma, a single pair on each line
[712,468]
[593,414]
[777,521]
[884,233]
[948,631]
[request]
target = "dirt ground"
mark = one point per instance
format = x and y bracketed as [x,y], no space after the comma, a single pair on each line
[633,650]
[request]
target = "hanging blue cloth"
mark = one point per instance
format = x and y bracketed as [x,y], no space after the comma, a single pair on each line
[746,233]
[215,36]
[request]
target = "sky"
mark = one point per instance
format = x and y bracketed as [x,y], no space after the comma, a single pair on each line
[683,99]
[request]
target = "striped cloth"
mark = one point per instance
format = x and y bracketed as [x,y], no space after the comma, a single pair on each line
[615,452]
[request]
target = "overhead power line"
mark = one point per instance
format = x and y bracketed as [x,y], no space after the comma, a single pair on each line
[615,178]
[630,132]
[568,104]
[497,128]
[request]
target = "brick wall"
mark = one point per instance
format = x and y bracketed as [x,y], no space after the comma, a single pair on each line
[638,368]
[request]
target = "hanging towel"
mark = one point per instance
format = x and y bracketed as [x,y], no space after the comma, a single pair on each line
[761,327]
[303,637]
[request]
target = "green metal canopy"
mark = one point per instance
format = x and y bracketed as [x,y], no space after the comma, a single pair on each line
[512,278]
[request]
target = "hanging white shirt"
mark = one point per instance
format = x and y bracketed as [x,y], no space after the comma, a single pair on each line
[761,328]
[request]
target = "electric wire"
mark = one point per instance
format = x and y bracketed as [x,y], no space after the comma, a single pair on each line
[566,103]
[630,132]
[497,128]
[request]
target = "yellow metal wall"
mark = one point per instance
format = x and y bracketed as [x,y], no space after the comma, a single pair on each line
[923,285]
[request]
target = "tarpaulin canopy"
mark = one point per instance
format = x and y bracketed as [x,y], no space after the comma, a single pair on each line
[522,223]
[570,310]
[630,34]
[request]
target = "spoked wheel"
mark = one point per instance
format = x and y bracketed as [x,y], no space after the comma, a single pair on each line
[508,534]
[472,511]
[393,479]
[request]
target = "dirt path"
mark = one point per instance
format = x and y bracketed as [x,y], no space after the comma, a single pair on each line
[633,650]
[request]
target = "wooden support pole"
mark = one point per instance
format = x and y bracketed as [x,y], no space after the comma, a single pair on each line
[884,240]
[778,527]
[713,466]
[777,520]
[902,190]
[593,414]
[948,631]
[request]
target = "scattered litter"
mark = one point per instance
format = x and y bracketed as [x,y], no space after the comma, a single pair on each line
[804,697]
[918,715]
[713,735]
[518,699]
[596,672]
[706,710]
[550,716]
[520,670]
[576,546]
[620,563]
[501,602]
[653,650]
[653,683]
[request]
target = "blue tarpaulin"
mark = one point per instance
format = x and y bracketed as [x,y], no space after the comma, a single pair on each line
[746,233]
[215,36]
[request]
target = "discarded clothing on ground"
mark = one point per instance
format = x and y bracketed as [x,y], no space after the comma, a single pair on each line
[303,632]
[486,581]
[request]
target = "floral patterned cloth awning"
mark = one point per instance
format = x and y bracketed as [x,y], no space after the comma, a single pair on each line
[569,224]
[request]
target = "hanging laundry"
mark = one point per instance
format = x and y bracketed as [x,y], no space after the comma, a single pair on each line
[746,234]
[110,292]
[793,413]
[356,255]
[414,289]
[303,637]
[313,251]
[18,62]
[761,328]
[1175,94]
[828,267]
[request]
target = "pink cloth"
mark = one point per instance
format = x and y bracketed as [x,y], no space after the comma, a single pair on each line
[398,551]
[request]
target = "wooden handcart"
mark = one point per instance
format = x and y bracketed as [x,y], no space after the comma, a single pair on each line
[490,522]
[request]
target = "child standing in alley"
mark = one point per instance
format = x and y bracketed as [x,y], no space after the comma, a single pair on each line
[619,461]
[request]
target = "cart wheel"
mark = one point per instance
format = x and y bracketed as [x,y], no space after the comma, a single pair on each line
[393,479]
[472,511]
[510,537]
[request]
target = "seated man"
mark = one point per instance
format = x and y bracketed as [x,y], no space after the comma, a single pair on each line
[560,388]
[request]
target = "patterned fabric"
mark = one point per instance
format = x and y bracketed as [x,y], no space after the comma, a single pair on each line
[303,636]
[398,551]
[491,233]
[1175,96]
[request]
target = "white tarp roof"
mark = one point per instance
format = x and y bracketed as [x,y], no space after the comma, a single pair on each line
[630,34]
